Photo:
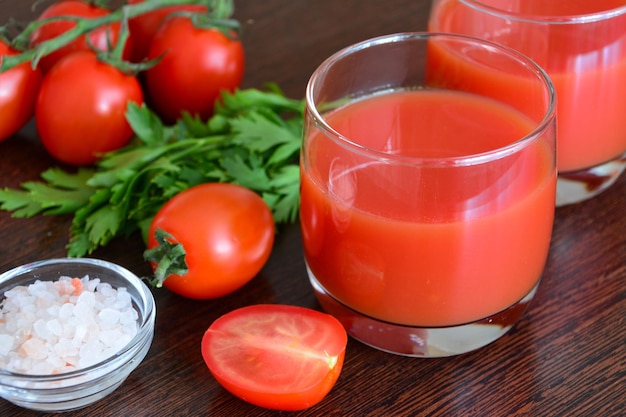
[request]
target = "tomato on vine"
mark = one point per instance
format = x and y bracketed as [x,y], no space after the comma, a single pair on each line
[144,26]
[101,38]
[197,64]
[18,91]
[210,240]
[81,108]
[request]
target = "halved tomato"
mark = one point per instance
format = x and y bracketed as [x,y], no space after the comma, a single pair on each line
[276,356]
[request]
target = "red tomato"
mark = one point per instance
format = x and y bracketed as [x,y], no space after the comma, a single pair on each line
[81,108]
[197,65]
[18,91]
[227,232]
[98,37]
[144,27]
[276,356]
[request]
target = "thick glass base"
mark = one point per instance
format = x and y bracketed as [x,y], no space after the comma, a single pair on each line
[425,342]
[574,187]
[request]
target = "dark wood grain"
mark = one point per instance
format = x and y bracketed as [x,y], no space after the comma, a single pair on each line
[567,357]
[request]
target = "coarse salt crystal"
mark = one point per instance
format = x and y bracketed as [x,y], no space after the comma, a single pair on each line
[65,348]
[66,311]
[6,343]
[54,327]
[35,348]
[108,318]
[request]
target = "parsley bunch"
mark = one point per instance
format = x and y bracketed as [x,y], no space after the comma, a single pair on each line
[252,140]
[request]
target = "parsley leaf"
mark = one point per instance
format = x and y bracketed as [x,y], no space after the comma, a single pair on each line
[252,140]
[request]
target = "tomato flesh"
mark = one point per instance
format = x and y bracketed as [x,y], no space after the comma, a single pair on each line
[276,356]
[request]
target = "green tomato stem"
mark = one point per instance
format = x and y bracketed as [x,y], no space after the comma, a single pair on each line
[84,26]
[169,257]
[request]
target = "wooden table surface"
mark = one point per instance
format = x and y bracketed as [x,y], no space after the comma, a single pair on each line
[567,357]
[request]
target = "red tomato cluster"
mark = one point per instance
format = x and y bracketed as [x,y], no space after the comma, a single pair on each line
[80,102]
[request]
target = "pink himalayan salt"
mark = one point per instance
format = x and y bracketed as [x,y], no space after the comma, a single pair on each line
[52,327]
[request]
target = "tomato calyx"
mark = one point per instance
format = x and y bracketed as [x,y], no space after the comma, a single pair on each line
[8,32]
[228,27]
[168,256]
[114,56]
[219,19]
[98,3]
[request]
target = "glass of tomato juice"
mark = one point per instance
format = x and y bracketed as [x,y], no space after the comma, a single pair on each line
[582,46]
[427,190]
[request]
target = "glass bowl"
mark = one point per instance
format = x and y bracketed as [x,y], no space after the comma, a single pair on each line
[76,389]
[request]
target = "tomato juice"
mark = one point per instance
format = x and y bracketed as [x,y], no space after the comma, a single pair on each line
[586,61]
[441,235]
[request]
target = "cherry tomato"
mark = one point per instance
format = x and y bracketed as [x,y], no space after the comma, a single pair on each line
[18,91]
[144,27]
[227,232]
[99,37]
[197,65]
[276,356]
[81,108]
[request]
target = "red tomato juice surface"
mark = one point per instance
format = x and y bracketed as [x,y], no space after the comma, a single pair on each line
[432,245]
[587,64]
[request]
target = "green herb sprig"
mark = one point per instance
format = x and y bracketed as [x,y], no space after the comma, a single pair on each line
[253,140]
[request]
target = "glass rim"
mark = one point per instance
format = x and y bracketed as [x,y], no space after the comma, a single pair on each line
[312,107]
[546,19]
